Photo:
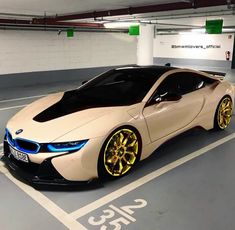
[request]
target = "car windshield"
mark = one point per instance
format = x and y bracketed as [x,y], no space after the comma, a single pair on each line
[120,86]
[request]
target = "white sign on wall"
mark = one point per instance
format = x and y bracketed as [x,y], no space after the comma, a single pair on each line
[195,46]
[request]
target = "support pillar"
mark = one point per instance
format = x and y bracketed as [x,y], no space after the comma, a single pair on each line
[145,45]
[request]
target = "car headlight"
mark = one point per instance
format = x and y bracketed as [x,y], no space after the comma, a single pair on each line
[9,138]
[67,146]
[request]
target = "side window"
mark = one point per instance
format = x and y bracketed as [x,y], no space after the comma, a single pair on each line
[181,83]
[169,85]
[190,82]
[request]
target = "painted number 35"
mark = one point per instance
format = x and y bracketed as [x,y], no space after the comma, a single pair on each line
[125,216]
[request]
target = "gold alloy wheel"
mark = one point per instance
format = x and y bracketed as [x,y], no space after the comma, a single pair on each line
[121,152]
[225,113]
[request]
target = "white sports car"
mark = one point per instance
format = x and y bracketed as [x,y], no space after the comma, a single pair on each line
[103,128]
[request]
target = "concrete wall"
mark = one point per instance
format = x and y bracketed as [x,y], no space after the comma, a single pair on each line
[29,51]
[49,77]
[198,64]
[200,51]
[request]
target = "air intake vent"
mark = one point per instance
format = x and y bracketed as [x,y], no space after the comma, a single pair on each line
[27,146]
[22,144]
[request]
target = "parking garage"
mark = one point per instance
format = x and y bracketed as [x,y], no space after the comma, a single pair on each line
[48,47]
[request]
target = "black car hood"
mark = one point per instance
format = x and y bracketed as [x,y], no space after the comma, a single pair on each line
[72,102]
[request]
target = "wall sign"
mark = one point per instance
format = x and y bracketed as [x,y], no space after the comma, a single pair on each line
[70,33]
[214,26]
[194,46]
[134,30]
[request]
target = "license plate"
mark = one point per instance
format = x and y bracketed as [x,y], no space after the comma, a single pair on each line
[19,155]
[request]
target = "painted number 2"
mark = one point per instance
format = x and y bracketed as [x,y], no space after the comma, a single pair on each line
[125,212]
[129,209]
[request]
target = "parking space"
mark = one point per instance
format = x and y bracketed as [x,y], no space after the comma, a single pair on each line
[19,211]
[196,195]
[172,151]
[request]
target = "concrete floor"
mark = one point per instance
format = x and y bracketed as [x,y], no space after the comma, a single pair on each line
[173,189]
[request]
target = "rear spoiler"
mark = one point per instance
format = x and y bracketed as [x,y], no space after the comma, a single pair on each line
[215,74]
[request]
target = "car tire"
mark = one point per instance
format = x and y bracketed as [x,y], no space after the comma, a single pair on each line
[223,113]
[119,153]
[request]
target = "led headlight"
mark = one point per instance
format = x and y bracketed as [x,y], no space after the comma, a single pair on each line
[9,138]
[67,146]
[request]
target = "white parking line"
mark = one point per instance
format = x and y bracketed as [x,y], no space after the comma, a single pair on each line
[134,185]
[22,98]
[12,107]
[46,203]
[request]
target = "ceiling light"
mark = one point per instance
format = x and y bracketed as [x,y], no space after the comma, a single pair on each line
[199,31]
[119,25]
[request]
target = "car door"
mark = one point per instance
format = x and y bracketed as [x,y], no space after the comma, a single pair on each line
[175,104]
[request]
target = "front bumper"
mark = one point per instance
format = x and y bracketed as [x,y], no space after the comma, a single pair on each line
[36,174]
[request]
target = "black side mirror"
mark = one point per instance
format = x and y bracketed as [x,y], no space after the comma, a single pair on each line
[84,82]
[168,97]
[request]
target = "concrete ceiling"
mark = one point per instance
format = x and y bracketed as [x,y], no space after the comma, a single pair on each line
[194,17]
[53,7]
[189,17]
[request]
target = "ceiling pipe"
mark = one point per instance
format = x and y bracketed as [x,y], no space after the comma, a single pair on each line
[181,5]
[189,27]
[15,21]
[21,15]
[150,22]
[173,16]
[174,25]
[76,24]
[59,29]
[168,31]
[67,24]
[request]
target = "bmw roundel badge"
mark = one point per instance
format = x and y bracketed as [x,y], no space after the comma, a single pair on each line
[19,131]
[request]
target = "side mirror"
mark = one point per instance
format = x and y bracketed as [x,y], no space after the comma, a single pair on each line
[168,97]
[84,82]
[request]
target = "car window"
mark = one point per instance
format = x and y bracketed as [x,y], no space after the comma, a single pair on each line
[181,83]
[120,87]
